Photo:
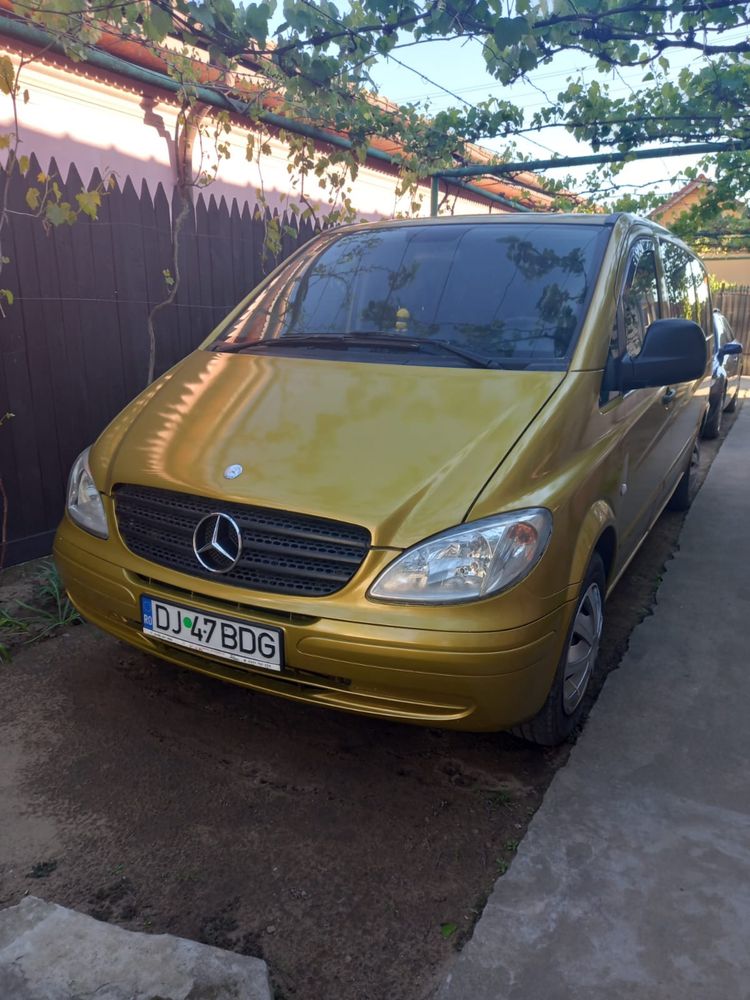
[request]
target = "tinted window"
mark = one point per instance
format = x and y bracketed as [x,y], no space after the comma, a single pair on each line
[679,283]
[640,297]
[702,295]
[722,330]
[682,301]
[513,292]
[688,296]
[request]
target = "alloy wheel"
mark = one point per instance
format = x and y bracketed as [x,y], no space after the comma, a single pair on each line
[582,648]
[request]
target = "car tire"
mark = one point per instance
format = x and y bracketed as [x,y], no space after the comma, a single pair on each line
[565,704]
[712,425]
[732,404]
[683,495]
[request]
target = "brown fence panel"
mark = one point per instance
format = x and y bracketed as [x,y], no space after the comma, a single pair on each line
[129,278]
[74,345]
[20,462]
[188,304]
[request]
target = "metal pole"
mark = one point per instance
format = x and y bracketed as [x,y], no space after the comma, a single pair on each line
[498,169]
[434,194]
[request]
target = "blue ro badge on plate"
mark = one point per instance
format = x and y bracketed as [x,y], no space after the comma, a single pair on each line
[147,613]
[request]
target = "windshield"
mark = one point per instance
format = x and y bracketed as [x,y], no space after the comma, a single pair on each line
[507,294]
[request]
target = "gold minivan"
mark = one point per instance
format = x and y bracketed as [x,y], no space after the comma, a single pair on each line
[402,476]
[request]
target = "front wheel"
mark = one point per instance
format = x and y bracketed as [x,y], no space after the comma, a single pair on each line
[564,706]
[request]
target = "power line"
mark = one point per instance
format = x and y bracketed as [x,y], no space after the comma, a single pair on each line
[739,33]
[427,79]
[432,83]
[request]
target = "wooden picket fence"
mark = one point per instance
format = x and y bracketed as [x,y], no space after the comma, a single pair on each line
[74,345]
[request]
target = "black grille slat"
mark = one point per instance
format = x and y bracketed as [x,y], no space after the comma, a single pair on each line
[282,552]
[182,535]
[292,569]
[271,546]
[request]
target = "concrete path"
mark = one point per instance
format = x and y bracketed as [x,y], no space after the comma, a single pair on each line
[633,881]
[48,952]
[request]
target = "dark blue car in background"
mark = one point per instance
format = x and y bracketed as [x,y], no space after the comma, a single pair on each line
[727,372]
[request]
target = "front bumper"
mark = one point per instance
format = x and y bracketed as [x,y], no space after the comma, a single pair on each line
[472,680]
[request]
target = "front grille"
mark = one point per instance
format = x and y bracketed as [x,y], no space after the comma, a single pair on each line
[282,552]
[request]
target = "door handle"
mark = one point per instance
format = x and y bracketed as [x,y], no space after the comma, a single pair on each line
[668,396]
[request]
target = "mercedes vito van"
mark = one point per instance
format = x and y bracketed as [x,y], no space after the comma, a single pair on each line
[402,476]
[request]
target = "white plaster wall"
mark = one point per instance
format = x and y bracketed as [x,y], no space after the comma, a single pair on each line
[78,119]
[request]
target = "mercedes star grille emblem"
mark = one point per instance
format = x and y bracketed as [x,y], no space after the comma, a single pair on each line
[217,543]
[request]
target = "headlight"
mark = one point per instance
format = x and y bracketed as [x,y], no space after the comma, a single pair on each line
[84,504]
[468,562]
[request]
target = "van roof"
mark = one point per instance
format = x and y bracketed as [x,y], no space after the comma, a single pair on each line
[507,218]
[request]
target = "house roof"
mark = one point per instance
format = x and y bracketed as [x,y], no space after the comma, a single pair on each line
[700,182]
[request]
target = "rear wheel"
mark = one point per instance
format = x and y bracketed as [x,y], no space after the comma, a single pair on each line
[564,706]
[732,404]
[712,426]
[683,495]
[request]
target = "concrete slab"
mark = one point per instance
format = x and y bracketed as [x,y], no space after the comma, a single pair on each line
[48,952]
[634,878]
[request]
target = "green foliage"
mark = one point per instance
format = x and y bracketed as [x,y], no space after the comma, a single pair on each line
[323,52]
[316,63]
[89,202]
[7,75]
[59,213]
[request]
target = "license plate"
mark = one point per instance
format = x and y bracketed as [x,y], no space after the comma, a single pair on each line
[229,638]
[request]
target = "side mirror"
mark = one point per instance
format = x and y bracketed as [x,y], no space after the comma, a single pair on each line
[732,348]
[674,350]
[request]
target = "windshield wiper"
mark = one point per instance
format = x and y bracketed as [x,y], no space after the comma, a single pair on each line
[258,345]
[476,359]
[419,344]
[319,339]
[359,340]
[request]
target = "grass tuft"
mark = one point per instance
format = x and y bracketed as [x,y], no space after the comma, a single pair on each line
[47,611]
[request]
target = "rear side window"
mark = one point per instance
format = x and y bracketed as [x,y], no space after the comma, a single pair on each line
[513,292]
[687,286]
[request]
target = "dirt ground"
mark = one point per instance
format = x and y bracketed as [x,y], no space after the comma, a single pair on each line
[351,854]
